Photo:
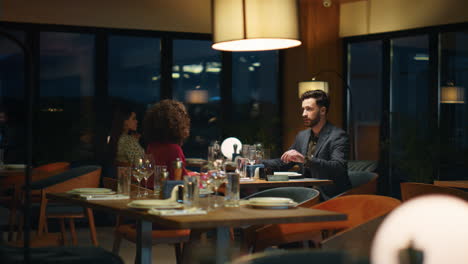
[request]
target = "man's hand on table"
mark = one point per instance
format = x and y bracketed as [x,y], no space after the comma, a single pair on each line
[292,156]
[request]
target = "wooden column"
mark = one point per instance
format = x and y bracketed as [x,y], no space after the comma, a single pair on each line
[321,49]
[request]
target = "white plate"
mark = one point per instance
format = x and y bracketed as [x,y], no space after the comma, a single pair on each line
[14,166]
[270,201]
[154,204]
[290,174]
[227,147]
[287,206]
[92,191]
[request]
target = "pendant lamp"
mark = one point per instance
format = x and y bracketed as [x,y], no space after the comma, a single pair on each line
[255,25]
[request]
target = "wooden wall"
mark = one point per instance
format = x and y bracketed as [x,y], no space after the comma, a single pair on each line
[321,50]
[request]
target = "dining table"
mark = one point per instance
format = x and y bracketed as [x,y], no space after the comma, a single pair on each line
[220,219]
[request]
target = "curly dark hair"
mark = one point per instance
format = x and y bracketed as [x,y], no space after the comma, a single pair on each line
[321,98]
[167,121]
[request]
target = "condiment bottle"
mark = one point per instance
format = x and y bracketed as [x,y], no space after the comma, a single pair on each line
[177,169]
[164,177]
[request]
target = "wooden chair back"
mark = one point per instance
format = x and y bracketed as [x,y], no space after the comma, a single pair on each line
[410,190]
[359,208]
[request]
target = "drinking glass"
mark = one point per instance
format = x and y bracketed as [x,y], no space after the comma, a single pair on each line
[123,180]
[232,190]
[191,191]
[216,178]
[158,180]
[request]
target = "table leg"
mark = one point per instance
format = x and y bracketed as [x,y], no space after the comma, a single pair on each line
[144,242]
[222,244]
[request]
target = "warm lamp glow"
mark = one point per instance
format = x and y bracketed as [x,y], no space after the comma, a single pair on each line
[436,225]
[254,25]
[452,95]
[196,96]
[312,85]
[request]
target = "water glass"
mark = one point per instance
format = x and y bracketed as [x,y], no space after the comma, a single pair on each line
[123,180]
[158,180]
[191,191]
[241,167]
[232,190]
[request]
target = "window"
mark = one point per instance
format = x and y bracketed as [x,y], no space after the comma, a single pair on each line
[365,78]
[255,114]
[12,90]
[66,118]
[134,73]
[196,76]
[453,105]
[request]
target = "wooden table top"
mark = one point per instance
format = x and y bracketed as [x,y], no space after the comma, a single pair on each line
[453,184]
[305,182]
[242,215]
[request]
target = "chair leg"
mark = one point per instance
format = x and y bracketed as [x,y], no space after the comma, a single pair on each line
[71,222]
[92,226]
[12,222]
[19,231]
[116,244]
[63,230]
[178,252]
[42,214]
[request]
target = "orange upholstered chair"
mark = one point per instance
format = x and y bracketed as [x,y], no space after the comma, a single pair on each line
[128,232]
[358,208]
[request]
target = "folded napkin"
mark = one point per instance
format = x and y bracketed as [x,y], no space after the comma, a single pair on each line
[197,211]
[104,196]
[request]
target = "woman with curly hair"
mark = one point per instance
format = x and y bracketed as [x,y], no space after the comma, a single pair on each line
[165,127]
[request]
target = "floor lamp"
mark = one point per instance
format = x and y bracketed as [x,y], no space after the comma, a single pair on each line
[322,85]
[29,99]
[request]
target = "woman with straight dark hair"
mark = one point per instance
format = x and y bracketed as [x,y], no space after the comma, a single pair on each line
[124,147]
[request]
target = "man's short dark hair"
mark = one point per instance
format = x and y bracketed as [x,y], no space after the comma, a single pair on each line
[321,98]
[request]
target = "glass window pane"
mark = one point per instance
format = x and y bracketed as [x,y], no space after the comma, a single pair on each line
[365,78]
[412,127]
[135,69]
[454,106]
[134,74]
[196,74]
[255,101]
[66,117]
[12,104]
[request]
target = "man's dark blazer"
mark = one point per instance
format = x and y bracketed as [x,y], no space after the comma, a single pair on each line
[329,160]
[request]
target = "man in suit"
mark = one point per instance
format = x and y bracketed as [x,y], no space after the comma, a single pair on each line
[321,150]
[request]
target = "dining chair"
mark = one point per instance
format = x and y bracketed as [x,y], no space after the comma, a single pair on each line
[362,182]
[296,257]
[410,190]
[305,197]
[122,230]
[62,255]
[362,165]
[80,177]
[11,191]
[358,208]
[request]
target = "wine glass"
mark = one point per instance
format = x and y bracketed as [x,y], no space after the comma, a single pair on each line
[136,173]
[147,170]
[142,168]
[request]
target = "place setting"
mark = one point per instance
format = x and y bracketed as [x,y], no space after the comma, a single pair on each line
[270,203]
[97,194]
